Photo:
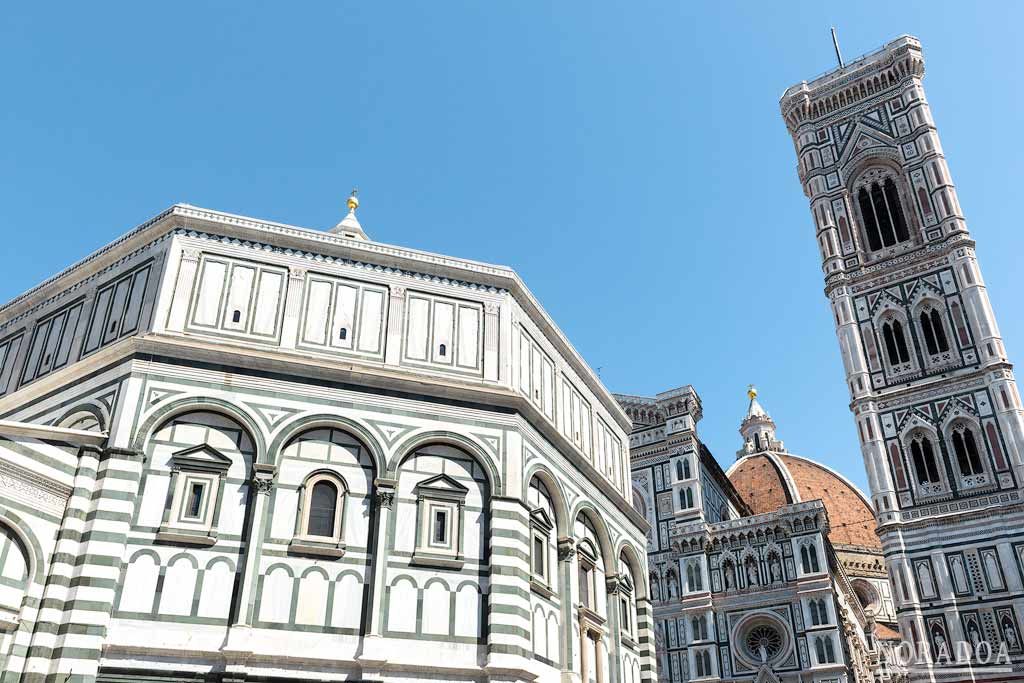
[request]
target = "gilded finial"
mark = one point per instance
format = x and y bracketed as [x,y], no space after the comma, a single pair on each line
[751,391]
[353,202]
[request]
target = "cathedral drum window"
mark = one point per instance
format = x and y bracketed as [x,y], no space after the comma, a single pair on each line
[877,198]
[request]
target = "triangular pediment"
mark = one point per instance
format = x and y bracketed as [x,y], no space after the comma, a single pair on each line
[204,456]
[862,137]
[442,484]
[540,517]
[766,675]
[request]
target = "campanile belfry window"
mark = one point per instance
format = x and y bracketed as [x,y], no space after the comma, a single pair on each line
[881,211]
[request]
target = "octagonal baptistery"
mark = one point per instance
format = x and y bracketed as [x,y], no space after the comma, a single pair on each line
[235,450]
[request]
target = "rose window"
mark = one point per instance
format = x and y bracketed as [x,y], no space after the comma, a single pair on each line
[763,642]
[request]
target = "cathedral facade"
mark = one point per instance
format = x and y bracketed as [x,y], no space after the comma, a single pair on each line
[235,450]
[768,572]
[931,388]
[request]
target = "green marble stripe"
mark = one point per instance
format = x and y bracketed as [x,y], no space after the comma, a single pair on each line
[39,458]
[73,536]
[503,649]
[109,516]
[77,605]
[82,560]
[30,511]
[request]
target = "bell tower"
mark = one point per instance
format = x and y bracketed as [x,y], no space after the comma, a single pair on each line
[932,391]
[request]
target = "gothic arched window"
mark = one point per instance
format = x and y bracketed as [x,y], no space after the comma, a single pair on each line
[966,450]
[882,214]
[686,469]
[923,455]
[895,342]
[934,333]
[809,559]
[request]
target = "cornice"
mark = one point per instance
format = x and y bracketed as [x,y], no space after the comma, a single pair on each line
[324,244]
[908,265]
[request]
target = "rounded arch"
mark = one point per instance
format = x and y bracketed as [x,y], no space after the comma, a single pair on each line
[315,570]
[632,557]
[304,423]
[280,565]
[413,443]
[22,534]
[349,572]
[556,493]
[144,552]
[191,404]
[194,562]
[83,411]
[436,579]
[327,473]
[609,557]
[217,560]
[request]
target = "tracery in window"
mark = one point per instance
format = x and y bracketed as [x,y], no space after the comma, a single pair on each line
[895,342]
[934,333]
[923,455]
[881,212]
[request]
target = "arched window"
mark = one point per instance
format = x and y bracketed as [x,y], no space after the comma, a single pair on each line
[895,342]
[923,456]
[686,469]
[689,578]
[966,450]
[809,559]
[815,618]
[321,516]
[824,649]
[680,475]
[14,577]
[323,504]
[542,525]
[934,334]
[882,213]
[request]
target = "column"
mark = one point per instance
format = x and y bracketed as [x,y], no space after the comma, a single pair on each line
[566,567]
[373,654]
[237,648]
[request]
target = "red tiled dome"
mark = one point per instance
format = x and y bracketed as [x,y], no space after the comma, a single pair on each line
[768,482]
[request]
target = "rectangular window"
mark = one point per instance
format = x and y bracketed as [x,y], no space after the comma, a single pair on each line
[539,563]
[585,580]
[624,609]
[439,535]
[194,501]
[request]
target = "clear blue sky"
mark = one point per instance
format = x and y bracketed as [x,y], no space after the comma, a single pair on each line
[627,159]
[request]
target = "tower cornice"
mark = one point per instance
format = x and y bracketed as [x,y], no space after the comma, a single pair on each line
[907,264]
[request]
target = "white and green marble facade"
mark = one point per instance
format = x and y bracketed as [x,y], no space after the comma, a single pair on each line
[244,360]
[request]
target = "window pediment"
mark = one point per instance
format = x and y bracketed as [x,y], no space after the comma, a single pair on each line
[442,486]
[540,518]
[203,457]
